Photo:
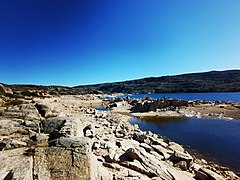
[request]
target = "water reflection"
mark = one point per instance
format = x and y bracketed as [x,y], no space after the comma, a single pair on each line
[101,108]
[162,119]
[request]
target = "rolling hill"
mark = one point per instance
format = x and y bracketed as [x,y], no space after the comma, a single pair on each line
[213,81]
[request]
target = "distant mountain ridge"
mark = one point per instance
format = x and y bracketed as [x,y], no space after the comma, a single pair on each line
[213,81]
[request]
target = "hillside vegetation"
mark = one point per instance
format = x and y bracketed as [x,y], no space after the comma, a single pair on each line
[213,81]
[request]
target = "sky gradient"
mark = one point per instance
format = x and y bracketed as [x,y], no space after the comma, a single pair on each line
[76,42]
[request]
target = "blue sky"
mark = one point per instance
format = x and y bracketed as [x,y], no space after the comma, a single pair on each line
[76,42]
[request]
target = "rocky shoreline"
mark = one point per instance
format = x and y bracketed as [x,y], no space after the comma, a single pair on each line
[65,137]
[143,107]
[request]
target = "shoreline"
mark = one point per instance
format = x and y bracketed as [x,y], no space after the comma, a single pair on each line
[124,108]
[191,150]
[109,145]
[207,111]
[177,108]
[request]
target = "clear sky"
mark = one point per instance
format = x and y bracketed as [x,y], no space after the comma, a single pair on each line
[73,42]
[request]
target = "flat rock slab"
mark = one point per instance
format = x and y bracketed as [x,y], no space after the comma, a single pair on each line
[20,164]
[59,163]
[210,174]
[180,175]
[81,144]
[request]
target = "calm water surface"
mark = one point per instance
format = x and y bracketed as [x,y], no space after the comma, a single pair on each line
[215,138]
[101,108]
[228,96]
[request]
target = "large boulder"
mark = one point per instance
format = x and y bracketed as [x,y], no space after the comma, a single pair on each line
[59,163]
[52,125]
[178,156]
[175,147]
[29,112]
[114,154]
[11,125]
[62,127]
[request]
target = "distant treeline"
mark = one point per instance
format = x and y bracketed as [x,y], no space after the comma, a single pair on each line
[213,81]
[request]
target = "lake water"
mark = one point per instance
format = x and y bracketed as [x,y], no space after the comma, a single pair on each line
[214,138]
[228,96]
[217,139]
[101,108]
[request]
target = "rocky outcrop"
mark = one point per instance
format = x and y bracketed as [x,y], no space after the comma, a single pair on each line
[25,111]
[53,148]
[5,90]
[84,143]
[61,163]
[145,105]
